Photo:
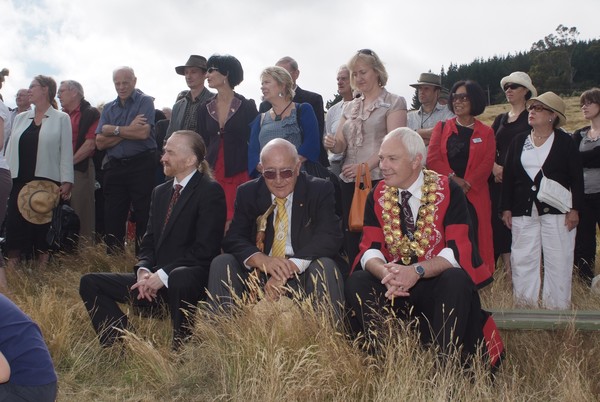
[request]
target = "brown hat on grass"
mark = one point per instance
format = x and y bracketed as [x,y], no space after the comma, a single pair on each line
[36,201]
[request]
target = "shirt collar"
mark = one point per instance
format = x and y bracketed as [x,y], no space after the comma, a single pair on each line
[185,180]
[415,188]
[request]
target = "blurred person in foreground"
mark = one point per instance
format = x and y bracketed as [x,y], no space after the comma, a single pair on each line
[84,121]
[294,122]
[183,236]
[224,123]
[364,123]
[463,149]
[126,132]
[586,139]
[518,89]
[5,184]
[26,369]
[40,150]
[538,228]
[294,243]
[418,257]
[424,119]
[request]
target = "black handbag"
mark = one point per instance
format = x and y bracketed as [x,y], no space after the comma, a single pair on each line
[63,234]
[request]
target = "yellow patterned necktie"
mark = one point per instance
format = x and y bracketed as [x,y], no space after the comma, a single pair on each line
[281,229]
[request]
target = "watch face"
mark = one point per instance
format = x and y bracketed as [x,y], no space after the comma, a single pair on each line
[420,270]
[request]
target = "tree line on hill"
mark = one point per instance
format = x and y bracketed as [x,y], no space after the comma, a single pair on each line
[560,63]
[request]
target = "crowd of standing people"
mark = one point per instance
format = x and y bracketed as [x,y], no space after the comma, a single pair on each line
[279,182]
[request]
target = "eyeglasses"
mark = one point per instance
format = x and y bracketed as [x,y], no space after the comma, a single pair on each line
[211,69]
[460,97]
[368,52]
[587,104]
[512,86]
[538,108]
[283,174]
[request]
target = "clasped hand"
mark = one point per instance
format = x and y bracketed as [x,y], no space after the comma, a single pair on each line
[147,285]
[398,280]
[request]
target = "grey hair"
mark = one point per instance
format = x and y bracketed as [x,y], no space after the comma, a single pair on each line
[74,85]
[288,60]
[124,68]
[280,145]
[411,140]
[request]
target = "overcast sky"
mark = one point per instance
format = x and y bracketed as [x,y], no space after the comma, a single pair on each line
[85,40]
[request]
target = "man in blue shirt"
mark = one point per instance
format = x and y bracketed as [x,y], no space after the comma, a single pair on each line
[126,132]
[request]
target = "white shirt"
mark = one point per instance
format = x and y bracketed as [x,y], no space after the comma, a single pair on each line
[415,203]
[533,158]
[164,277]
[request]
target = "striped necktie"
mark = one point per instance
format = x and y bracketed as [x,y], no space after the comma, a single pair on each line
[281,229]
[176,192]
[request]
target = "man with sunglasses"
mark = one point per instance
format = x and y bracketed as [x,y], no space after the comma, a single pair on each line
[294,213]
[185,111]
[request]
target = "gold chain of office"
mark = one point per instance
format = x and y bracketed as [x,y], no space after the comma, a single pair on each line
[400,246]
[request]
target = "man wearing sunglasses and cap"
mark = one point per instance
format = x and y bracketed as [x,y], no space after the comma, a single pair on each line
[285,231]
[424,119]
[185,111]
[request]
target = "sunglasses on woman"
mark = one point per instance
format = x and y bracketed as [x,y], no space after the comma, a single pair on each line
[460,97]
[512,86]
[538,108]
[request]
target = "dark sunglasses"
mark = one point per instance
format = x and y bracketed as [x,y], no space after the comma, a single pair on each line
[283,174]
[538,108]
[460,97]
[211,69]
[512,86]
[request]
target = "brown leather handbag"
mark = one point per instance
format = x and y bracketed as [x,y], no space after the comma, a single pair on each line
[362,187]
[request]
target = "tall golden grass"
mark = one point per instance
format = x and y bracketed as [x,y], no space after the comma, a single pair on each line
[277,352]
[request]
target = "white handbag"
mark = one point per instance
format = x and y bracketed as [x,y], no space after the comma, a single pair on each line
[554,194]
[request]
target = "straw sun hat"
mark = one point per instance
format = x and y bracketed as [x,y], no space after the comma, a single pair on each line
[36,201]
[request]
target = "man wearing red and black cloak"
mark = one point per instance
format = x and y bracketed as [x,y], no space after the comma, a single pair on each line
[418,256]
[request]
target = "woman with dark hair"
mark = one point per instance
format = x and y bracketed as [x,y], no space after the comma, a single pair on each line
[364,122]
[463,148]
[518,89]
[539,228]
[586,139]
[40,149]
[224,123]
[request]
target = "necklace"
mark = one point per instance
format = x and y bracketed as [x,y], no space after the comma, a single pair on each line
[278,116]
[465,125]
[400,246]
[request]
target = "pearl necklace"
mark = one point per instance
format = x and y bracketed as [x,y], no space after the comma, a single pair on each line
[401,247]
[465,125]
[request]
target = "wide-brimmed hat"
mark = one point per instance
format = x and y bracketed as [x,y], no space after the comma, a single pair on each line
[36,201]
[428,79]
[193,61]
[521,78]
[555,103]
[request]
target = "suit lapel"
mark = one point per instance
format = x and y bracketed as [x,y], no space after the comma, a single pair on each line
[298,207]
[179,206]
[263,203]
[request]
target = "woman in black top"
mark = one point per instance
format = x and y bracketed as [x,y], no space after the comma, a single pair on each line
[518,89]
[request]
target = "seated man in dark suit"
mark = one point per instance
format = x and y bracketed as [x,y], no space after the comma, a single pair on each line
[302,234]
[184,233]
[418,255]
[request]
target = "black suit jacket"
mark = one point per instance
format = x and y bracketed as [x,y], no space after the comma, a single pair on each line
[316,101]
[192,237]
[315,228]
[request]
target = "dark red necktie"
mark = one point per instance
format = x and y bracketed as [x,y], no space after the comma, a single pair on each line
[407,216]
[174,198]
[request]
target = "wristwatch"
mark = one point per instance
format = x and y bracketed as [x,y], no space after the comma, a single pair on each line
[420,271]
[117,131]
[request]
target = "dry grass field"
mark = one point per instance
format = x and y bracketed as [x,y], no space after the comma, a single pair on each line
[279,352]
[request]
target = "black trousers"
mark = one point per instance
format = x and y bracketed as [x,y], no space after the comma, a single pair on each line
[447,307]
[585,240]
[127,182]
[101,292]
